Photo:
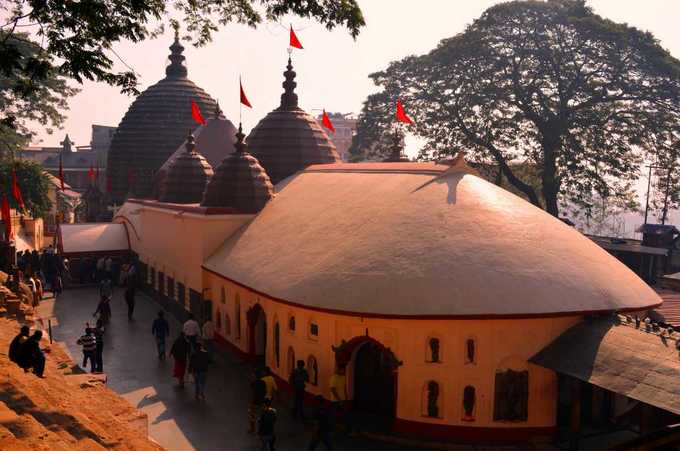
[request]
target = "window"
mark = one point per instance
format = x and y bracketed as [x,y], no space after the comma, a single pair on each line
[277,344]
[313,370]
[291,323]
[313,330]
[223,297]
[290,360]
[171,288]
[511,397]
[161,282]
[181,293]
[432,399]
[433,351]
[470,350]
[227,324]
[469,399]
[237,317]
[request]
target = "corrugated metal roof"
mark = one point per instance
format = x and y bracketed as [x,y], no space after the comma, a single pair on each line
[669,312]
[620,358]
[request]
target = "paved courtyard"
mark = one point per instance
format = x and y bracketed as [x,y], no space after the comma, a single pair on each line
[176,420]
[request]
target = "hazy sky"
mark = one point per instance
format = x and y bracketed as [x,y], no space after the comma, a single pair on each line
[332,70]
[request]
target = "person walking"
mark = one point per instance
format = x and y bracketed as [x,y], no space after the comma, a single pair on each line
[31,356]
[104,310]
[161,330]
[108,269]
[270,383]
[17,342]
[323,428]
[208,336]
[191,331]
[258,392]
[89,343]
[106,288]
[266,426]
[130,301]
[99,347]
[179,352]
[199,368]
[298,380]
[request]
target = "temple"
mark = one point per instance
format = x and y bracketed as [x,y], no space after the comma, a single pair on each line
[447,299]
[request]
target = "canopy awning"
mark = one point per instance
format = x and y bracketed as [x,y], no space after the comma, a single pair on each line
[92,238]
[620,358]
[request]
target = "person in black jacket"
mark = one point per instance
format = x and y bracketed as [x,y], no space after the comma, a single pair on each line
[199,367]
[17,343]
[31,356]
[265,426]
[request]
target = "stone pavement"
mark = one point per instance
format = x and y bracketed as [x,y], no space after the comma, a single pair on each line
[176,420]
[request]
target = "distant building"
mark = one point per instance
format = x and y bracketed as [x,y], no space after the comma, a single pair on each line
[345,125]
[76,160]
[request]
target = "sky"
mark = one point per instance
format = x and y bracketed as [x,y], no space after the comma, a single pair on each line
[332,70]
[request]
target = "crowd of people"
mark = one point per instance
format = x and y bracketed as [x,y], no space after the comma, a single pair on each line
[42,271]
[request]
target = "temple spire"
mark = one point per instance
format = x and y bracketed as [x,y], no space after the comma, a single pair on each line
[190,146]
[289,100]
[218,110]
[240,145]
[176,68]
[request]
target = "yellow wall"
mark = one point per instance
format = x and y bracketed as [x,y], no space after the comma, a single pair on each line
[176,242]
[500,344]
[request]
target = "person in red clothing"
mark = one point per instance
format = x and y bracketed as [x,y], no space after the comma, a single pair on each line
[179,352]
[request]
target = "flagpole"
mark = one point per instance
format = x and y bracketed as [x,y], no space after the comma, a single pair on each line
[240,104]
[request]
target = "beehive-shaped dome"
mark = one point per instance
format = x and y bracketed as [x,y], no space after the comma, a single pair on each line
[288,139]
[152,129]
[240,182]
[186,177]
[214,140]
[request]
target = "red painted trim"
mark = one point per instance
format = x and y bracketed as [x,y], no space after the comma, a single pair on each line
[396,316]
[189,208]
[434,431]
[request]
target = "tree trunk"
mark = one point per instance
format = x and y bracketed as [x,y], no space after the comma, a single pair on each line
[549,180]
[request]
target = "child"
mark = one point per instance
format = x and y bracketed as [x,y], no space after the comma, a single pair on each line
[89,344]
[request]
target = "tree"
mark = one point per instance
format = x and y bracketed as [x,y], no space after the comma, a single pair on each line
[81,34]
[32,181]
[548,84]
[31,90]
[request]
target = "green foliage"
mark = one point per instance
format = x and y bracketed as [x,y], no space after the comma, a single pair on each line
[81,34]
[547,84]
[34,185]
[31,90]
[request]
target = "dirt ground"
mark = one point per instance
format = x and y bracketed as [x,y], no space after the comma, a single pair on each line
[67,410]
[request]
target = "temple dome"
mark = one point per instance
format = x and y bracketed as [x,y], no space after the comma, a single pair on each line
[186,177]
[215,140]
[421,240]
[288,139]
[240,182]
[153,127]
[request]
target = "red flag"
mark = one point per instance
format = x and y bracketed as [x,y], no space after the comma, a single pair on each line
[196,113]
[326,122]
[16,192]
[294,41]
[6,217]
[109,184]
[244,99]
[90,174]
[61,172]
[401,114]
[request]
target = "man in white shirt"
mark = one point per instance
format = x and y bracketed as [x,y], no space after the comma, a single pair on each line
[208,336]
[192,331]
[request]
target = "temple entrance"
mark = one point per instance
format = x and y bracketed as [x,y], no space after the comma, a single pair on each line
[373,382]
[257,332]
[372,378]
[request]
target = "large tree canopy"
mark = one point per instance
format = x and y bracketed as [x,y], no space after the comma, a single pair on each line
[34,185]
[81,33]
[543,83]
[32,91]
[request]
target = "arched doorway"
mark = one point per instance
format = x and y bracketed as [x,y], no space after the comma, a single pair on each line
[373,381]
[372,368]
[257,332]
